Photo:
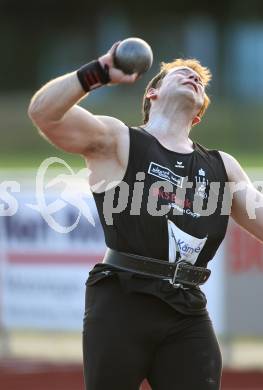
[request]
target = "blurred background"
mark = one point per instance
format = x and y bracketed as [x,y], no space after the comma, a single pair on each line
[42,271]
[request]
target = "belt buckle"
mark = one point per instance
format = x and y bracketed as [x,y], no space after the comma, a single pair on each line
[173,282]
[200,277]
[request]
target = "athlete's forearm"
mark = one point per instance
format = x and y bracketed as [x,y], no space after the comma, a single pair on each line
[54,99]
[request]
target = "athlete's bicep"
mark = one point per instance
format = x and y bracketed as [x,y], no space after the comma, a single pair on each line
[79,131]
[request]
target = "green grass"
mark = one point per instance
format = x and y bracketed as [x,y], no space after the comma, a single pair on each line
[33,161]
[26,160]
[233,127]
[249,160]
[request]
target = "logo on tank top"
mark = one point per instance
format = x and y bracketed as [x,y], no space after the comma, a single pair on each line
[201,172]
[183,245]
[179,164]
[201,184]
[165,174]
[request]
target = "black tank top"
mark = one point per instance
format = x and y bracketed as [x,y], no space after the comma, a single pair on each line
[160,219]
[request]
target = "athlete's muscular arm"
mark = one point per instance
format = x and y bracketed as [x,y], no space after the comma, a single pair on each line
[55,112]
[245,210]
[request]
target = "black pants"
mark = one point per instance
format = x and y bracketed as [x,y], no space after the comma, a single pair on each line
[128,337]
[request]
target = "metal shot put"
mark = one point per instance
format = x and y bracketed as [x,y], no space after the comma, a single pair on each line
[145,313]
[133,55]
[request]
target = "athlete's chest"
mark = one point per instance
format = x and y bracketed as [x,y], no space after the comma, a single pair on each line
[178,179]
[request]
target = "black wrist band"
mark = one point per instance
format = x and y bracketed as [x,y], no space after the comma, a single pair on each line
[93,75]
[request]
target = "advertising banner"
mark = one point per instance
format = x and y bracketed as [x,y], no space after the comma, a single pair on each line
[44,271]
[50,238]
[244,283]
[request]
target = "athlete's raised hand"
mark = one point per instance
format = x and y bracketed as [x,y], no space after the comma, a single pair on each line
[116,75]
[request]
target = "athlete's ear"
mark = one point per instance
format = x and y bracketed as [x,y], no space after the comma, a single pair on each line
[152,94]
[196,120]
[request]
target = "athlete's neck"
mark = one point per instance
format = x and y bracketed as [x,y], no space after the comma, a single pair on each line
[171,133]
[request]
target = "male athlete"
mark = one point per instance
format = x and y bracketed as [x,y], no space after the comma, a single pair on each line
[145,313]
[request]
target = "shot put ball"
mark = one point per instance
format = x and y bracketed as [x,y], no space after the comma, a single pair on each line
[133,55]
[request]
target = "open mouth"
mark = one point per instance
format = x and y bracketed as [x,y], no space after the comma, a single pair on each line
[192,84]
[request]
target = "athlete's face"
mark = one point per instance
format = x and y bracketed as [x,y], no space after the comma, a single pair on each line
[183,82]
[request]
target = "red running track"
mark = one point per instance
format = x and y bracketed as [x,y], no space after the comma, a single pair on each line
[30,375]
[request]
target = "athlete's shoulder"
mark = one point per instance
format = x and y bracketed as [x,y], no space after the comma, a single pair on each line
[234,169]
[205,150]
[140,132]
[214,158]
[113,123]
[140,138]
